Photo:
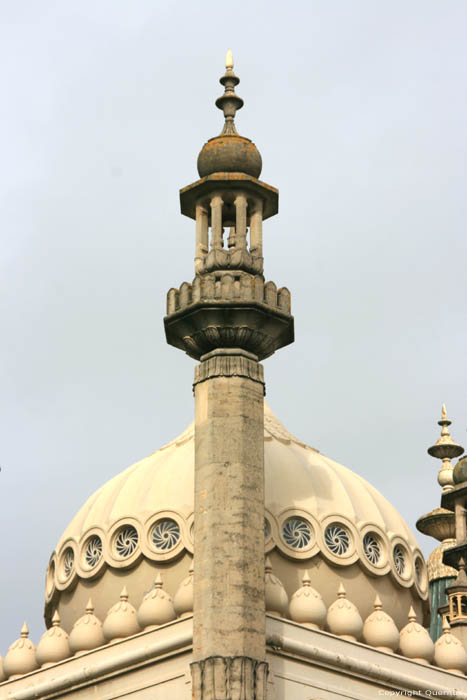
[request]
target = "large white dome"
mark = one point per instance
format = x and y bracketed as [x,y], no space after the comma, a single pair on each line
[319,516]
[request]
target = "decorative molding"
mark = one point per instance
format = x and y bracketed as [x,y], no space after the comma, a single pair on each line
[228,286]
[229,366]
[238,259]
[221,677]
[296,533]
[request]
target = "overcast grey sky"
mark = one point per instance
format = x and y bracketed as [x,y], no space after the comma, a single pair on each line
[359,111]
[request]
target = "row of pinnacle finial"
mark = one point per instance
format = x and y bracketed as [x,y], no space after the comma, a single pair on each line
[229,102]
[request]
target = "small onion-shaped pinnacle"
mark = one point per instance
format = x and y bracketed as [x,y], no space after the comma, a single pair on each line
[53,645]
[157,607]
[449,652]
[21,656]
[415,642]
[307,606]
[276,598]
[121,620]
[343,618]
[379,630]
[87,632]
[183,598]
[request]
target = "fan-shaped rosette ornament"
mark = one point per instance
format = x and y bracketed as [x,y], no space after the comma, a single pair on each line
[399,559]
[372,548]
[337,539]
[93,551]
[68,562]
[165,534]
[126,541]
[297,533]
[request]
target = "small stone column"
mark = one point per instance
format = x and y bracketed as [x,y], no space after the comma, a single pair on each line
[216,222]
[229,607]
[201,234]
[256,229]
[240,220]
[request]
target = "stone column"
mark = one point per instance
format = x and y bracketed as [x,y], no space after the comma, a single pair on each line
[216,221]
[256,229]
[201,234]
[240,220]
[229,611]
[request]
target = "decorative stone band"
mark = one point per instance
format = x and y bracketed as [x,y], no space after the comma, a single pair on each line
[229,362]
[226,677]
[296,533]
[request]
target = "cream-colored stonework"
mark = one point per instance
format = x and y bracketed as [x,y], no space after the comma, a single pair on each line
[178,577]
[304,664]
[300,483]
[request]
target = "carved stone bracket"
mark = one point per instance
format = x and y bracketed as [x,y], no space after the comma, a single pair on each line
[229,678]
[229,363]
[231,260]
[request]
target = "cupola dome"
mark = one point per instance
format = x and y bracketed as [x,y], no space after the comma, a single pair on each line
[320,516]
[229,152]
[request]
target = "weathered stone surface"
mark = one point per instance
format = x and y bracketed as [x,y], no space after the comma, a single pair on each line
[229,518]
[229,365]
[229,678]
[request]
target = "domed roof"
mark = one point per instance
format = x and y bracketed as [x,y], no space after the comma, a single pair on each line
[229,154]
[317,512]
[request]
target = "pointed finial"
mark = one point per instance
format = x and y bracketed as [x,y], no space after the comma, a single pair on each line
[124,594]
[89,607]
[267,565]
[446,625]
[306,580]
[412,615]
[25,630]
[158,580]
[378,604]
[445,449]
[56,619]
[229,62]
[229,102]
[341,593]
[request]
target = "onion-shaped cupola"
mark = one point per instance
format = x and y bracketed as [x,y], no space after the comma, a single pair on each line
[229,152]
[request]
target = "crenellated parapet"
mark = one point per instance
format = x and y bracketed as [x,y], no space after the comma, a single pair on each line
[227,287]
[228,310]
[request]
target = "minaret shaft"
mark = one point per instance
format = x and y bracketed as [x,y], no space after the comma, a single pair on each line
[229,510]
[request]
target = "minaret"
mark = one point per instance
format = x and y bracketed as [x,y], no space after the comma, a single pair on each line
[456,556]
[229,320]
[440,524]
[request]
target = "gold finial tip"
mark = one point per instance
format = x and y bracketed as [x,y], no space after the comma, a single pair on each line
[444,413]
[229,63]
